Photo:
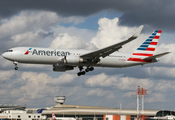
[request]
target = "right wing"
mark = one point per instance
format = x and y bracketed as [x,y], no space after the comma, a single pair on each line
[95,55]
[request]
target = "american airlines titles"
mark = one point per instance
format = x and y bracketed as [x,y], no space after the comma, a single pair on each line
[50,53]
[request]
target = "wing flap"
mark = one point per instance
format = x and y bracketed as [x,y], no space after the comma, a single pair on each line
[156,56]
[110,49]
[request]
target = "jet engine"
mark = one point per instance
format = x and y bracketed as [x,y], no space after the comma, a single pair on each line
[73,59]
[62,68]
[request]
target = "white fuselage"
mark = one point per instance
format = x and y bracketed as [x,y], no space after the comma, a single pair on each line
[56,56]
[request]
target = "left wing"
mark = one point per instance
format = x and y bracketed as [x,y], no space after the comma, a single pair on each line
[95,55]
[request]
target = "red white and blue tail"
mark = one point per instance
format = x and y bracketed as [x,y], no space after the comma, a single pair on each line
[53,116]
[147,48]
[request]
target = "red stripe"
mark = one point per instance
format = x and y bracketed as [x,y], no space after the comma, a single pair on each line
[142,54]
[27,52]
[150,49]
[138,60]
[159,31]
[153,43]
[156,37]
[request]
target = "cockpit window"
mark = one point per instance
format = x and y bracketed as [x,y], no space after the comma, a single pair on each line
[9,50]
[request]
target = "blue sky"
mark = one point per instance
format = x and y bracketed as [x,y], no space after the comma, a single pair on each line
[91,22]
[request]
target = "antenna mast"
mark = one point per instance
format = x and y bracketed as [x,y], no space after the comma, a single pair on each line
[140,102]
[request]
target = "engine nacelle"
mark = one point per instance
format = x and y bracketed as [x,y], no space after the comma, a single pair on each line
[62,68]
[73,59]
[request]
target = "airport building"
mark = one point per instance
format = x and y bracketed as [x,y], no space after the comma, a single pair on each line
[78,112]
[91,112]
[16,112]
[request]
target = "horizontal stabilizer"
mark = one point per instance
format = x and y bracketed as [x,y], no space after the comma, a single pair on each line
[156,56]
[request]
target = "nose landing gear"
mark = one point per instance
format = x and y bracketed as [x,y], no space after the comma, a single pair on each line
[16,67]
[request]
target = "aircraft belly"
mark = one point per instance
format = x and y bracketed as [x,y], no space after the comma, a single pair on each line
[131,63]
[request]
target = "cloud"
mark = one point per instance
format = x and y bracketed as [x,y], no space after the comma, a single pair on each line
[6,75]
[165,86]
[85,34]
[26,29]
[151,16]
[27,38]
[31,86]
[100,80]
[27,21]
[168,59]
[30,27]
[122,83]
[99,92]
[16,93]
[129,94]
[108,32]
[71,8]
[133,13]
[156,97]
[70,42]
[36,87]
[168,72]
[68,78]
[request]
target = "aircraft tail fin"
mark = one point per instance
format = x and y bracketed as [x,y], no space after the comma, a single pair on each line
[147,48]
[53,116]
[40,111]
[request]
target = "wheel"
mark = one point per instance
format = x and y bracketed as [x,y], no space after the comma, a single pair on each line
[91,69]
[87,70]
[79,74]
[83,72]
[16,68]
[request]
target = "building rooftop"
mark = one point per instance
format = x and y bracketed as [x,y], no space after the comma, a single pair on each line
[91,110]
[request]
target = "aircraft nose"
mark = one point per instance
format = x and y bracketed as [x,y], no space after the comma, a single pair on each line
[4,55]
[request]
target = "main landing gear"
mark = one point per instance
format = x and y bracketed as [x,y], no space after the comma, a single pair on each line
[16,67]
[84,72]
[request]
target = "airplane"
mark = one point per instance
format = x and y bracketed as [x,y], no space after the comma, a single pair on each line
[167,117]
[67,59]
[62,118]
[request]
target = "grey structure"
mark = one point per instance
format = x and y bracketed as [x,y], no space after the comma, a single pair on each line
[90,110]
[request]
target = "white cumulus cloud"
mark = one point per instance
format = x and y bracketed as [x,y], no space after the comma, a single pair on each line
[109,32]
[100,92]
[122,83]
[63,40]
